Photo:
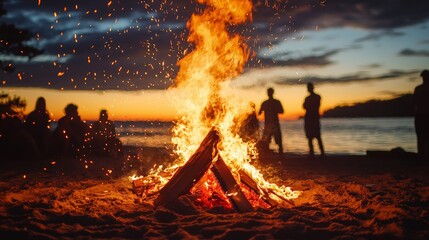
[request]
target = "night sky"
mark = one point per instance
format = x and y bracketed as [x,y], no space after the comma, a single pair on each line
[135,45]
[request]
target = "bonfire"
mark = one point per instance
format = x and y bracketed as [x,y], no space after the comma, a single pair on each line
[213,161]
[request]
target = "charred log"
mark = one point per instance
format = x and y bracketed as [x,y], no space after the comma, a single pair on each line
[249,182]
[187,176]
[230,186]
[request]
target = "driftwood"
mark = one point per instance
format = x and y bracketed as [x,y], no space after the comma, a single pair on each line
[230,186]
[188,175]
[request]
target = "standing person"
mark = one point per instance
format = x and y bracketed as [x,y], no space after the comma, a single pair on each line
[37,124]
[312,119]
[271,108]
[421,112]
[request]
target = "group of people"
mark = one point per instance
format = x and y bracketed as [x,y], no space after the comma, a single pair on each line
[34,139]
[273,107]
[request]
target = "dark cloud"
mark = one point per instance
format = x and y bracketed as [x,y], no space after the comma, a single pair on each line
[413,53]
[372,66]
[358,77]
[134,44]
[95,49]
[378,35]
[393,94]
[320,60]
[377,15]
[368,14]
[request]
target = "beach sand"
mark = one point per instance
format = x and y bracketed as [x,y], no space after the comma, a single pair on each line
[343,197]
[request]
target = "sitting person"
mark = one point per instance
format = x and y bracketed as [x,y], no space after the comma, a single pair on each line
[18,144]
[71,135]
[37,124]
[104,140]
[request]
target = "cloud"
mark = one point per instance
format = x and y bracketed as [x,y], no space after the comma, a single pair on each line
[393,94]
[413,53]
[374,36]
[263,78]
[375,15]
[320,60]
[372,66]
[130,50]
[357,77]
[131,45]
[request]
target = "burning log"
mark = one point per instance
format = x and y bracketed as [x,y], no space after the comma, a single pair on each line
[282,198]
[139,187]
[188,175]
[230,186]
[145,186]
[249,182]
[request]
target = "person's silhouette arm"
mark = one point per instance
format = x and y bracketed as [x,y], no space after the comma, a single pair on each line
[305,104]
[414,101]
[280,108]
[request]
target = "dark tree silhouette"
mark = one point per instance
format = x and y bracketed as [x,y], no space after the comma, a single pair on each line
[11,106]
[13,42]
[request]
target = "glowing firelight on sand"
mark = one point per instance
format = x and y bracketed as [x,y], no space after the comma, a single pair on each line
[203,101]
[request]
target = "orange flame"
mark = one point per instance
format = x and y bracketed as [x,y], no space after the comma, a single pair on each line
[203,101]
[202,95]
[218,56]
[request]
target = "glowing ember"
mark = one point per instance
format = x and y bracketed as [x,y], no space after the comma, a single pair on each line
[203,101]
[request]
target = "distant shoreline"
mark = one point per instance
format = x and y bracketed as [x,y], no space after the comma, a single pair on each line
[396,107]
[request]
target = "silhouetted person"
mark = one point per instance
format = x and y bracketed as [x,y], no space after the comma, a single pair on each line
[249,129]
[37,124]
[18,143]
[104,138]
[3,130]
[421,121]
[70,136]
[312,119]
[271,108]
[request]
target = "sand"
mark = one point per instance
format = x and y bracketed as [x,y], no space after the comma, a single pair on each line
[344,197]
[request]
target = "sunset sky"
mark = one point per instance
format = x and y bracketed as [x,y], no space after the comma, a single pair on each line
[122,55]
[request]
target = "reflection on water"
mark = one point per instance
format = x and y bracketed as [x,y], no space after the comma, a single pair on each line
[340,136]
[149,134]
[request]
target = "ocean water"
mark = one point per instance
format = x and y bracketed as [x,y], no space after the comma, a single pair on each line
[353,135]
[339,135]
